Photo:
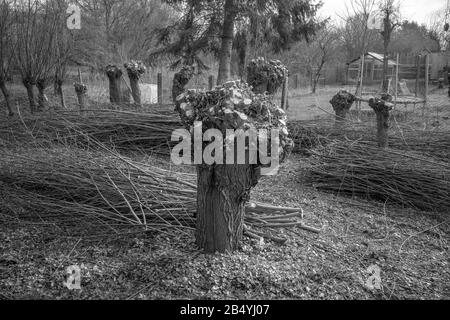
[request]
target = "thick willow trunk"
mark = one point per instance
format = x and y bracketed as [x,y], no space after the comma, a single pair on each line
[135,89]
[41,85]
[227,43]
[382,109]
[60,92]
[81,91]
[114,76]
[223,191]
[7,96]
[342,103]
[29,86]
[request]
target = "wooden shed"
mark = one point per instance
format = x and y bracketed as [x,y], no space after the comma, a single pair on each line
[373,67]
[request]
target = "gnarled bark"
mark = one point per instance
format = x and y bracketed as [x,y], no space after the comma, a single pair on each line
[81,91]
[114,75]
[29,86]
[382,109]
[59,92]
[41,85]
[342,103]
[223,191]
[135,70]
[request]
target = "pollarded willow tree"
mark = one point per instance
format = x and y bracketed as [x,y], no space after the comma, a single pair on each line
[342,102]
[135,70]
[237,137]
[114,75]
[266,76]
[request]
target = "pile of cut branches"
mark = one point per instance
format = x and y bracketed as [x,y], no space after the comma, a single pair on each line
[66,187]
[308,135]
[122,130]
[360,169]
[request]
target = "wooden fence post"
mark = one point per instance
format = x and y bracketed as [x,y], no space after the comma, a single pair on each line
[427,75]
[211,83]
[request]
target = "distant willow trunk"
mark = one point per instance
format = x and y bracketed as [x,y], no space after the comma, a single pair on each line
[342,103]
[41,85]
[58,84]
[7,96]
[114,75]
[227,42]
[81,90]
[29,85]
[382,109]
[180,81]
[135,70]
[59,91]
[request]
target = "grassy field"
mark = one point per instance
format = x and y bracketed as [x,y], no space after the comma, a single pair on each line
[410,247]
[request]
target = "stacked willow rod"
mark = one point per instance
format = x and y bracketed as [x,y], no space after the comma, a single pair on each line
[309,135]
[65,186]
[359,169]
[118,129]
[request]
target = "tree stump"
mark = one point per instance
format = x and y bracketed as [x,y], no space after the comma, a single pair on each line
[224,186]
[135,70]
[342,103]
[114,75]
[81,90]
[180,81]
[382,109]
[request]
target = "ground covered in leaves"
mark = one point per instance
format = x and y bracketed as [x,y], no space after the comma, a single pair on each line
[410,248]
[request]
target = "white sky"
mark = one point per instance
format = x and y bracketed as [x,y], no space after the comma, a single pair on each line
[413,10]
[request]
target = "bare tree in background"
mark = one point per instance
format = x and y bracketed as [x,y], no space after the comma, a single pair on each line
[36,26]
[117,31]
[6,50]
[322,50]
[356,36]
[437,28]
[390,11]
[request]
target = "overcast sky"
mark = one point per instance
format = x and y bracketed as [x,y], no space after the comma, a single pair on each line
[416,10]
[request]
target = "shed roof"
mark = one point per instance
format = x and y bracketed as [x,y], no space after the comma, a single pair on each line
[375,56]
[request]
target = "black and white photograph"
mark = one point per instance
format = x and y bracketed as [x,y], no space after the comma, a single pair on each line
[224,157]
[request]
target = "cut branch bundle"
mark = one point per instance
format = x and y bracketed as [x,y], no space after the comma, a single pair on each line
[308,135]
[69,187]
[358,169]
[150,132]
